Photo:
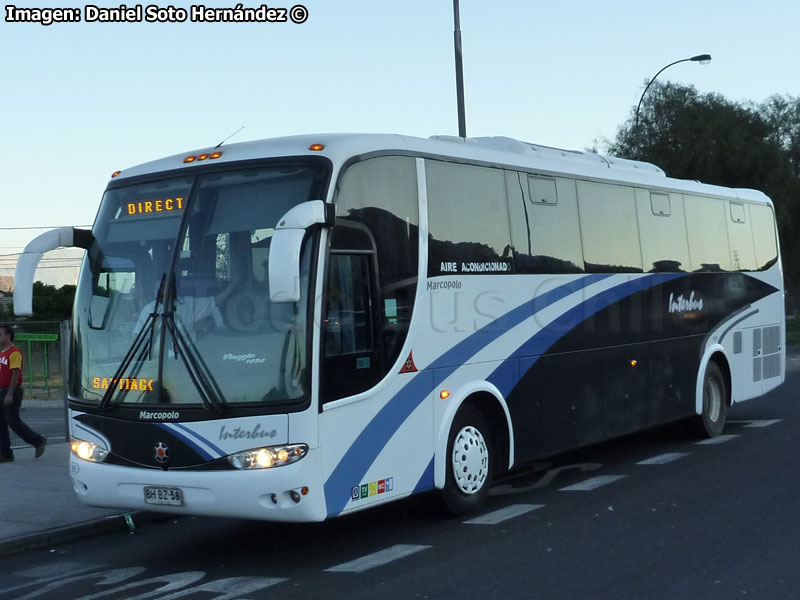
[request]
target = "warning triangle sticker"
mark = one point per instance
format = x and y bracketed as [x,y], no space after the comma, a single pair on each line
[409,366]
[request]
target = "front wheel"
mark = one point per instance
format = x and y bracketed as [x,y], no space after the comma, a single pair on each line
[469,463]
[711,421]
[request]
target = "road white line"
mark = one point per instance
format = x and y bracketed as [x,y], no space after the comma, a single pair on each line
[504,514]
[47,573]
[592,484]
[763,423]
[720,439]
[663,459]
[377,559]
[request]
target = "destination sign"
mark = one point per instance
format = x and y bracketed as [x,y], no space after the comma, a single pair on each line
[124,383]
[164,205]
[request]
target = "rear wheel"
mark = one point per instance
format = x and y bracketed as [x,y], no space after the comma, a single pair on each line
[711,421]
[469,463]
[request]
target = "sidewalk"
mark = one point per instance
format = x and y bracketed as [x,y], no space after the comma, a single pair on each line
[40,508]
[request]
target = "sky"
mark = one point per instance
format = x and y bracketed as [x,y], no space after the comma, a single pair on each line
[79,101]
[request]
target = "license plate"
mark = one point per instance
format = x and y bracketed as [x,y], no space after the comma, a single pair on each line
[163,495]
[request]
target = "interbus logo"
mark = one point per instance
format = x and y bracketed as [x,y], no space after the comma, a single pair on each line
[685,305]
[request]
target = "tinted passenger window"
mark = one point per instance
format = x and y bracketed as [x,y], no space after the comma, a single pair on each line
[708,234]
[740,239]
[766,245]
[609,229]
[663,232]
[545,234]
[468,220]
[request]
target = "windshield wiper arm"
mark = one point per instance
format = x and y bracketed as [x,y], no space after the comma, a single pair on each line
[147,330]
[139,343]
[200,374]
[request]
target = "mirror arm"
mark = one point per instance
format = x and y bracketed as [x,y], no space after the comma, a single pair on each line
[63,237]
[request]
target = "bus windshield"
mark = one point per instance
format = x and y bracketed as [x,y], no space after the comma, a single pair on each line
[173,304]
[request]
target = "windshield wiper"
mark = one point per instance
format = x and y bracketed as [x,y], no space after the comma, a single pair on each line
[200,374]
[142,344]
[142,347]
[210,393]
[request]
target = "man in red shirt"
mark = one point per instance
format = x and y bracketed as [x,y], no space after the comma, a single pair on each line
[11,398]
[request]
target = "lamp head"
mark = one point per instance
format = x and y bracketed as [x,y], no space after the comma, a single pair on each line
[703,59]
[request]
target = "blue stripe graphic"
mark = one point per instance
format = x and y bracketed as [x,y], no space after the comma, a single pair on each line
[175,430]
[539,343]
[206,441]
[371,441]
[467,348]
[426,481]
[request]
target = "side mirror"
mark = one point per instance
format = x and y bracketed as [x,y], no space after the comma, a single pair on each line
[287,241]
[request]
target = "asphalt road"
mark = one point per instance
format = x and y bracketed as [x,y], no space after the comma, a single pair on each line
[654,515]
[47,417]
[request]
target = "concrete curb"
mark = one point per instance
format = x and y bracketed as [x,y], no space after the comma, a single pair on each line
[79,531]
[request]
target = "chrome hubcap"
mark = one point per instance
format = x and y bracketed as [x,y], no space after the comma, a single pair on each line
[470,460]
[713,395]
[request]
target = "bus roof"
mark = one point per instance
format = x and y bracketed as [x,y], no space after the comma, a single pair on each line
[493,151]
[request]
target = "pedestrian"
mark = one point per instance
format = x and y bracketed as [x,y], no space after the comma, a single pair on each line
[11,398]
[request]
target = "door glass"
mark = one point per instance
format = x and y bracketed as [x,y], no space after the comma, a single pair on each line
[348,323]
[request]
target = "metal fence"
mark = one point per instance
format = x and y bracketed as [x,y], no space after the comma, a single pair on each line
[44,347]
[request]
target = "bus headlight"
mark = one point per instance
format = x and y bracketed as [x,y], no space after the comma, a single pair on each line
[269,456]
[87,450]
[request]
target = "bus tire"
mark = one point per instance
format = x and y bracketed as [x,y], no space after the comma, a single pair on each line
[469,463]
[711,421]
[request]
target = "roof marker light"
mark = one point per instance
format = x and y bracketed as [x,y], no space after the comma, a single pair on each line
[316,147]
[115,173]
[202,157]
[215,155]
[190,159]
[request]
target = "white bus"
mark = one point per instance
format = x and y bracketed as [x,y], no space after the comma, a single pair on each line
[298,328]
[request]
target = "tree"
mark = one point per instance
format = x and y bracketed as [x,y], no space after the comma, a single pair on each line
[711,139]
[51,303]
[783,117]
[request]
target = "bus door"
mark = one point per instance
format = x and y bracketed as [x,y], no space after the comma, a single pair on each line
[351,361]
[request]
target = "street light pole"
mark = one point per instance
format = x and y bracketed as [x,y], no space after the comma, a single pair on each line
[703,59]
[462,119]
